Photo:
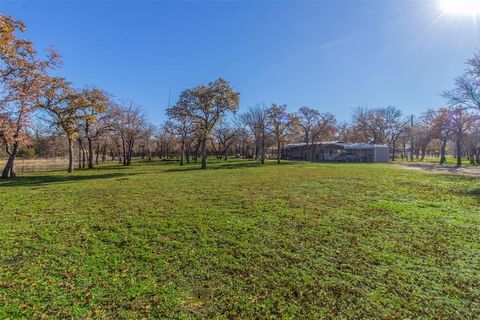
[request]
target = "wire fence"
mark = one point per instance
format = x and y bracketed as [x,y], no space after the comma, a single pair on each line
[34,165]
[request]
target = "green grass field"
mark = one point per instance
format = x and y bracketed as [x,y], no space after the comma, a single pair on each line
[240,240]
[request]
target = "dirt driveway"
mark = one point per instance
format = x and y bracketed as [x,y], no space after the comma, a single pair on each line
[433,167]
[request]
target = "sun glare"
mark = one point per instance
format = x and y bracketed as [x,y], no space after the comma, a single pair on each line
[461,7]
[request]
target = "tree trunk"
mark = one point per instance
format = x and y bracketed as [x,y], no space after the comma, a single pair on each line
[90,153]
[412,151]
[263,148]
[195,153]
[305,147]
[278,152]
[183,152]
[204,153]
[70,156]
[97,155]
[80,147]
[422,157]
[393,151]
[130,152]
[124,152]
[459,151]
[84,156]
[129,155]
[104,153]
[443,158]
[9,170]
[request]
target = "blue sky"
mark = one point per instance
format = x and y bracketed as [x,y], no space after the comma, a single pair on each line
[331,55]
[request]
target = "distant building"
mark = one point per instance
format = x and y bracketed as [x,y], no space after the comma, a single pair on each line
[336,151]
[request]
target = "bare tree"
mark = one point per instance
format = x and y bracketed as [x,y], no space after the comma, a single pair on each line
[313,126]
[308,120]
[472,143]
[128,122]
[467,87]
[165,141]
[243,140]
[279,121]
[377,124]
[146,136]
[461,122]
[439,127]
[182,126]
[224,135]
[256,120]
[396,129]
[326,127]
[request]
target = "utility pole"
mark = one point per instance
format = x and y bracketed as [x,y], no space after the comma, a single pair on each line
[411,137]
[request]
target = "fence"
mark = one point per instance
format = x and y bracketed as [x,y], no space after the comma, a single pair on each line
[34,165]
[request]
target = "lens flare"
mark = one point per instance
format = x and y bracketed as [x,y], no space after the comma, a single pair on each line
[461,7]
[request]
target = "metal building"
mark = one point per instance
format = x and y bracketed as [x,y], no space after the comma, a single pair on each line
[336,151]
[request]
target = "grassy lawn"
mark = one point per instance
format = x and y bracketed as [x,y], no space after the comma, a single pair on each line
[299,240]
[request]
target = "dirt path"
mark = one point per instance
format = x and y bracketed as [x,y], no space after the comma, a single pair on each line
[433,167]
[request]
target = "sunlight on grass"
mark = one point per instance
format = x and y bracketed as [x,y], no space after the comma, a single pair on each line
[299,240]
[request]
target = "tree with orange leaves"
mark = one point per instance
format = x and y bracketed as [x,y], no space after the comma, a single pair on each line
[64,105]
[23,74]
[94,104]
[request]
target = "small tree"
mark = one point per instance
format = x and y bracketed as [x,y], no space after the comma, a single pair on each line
[94,103]
[225,136]
[308,119]
[206,105]
[256,119]
[147,134]
[279,121]
[461,122]
[313,126]
[128,122]
[440,127]
[182,126]
[64,105]
[326,128]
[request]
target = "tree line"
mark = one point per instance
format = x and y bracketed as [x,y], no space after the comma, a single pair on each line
[44,115]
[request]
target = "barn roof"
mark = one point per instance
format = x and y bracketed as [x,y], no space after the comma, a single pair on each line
[341,144]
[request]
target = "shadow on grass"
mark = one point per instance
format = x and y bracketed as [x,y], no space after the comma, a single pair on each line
[217,165]
[475,192]
[471,170]
[38,180]
[135,164]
